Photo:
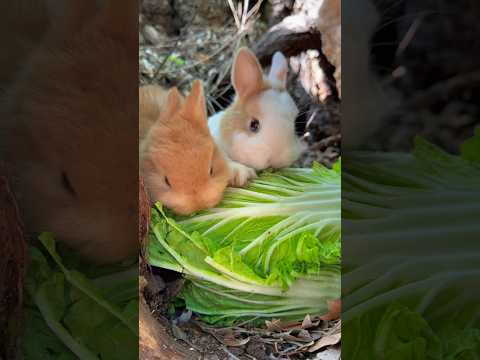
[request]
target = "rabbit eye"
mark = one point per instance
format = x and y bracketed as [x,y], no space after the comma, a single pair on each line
[211,171]
[167,182]
[67,184]
[254,125]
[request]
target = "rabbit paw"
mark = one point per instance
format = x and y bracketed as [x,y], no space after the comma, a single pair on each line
[240,174]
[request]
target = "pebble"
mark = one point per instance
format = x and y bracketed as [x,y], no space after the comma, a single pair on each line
[151,35]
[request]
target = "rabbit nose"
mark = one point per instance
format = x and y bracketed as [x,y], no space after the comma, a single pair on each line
[209,199]
[185,209]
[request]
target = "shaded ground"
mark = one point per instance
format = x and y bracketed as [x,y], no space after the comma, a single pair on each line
[276,341]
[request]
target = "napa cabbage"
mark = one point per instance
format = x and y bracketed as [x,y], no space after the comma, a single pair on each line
[271,250]
[411,232]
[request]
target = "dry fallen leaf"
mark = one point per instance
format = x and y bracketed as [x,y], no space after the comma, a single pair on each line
[231,341]
[203,58]
[227,337]
[326,341]
[308,323]
[274,325]
[299,336]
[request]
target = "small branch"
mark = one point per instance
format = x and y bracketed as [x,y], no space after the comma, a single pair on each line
[294,35]
[443,90]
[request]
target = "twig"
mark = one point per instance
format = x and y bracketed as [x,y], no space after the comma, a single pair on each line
[162,64]
[407,39]
[224,348]
[443,89]
[234,12]
[244,15]
[212,55]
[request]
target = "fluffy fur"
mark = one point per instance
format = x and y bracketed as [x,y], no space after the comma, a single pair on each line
[23,26]
[265,99]
[182,166]
[67,131]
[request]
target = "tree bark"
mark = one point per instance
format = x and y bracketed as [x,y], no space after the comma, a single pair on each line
[13,250]
[144,209]
[156,343]
[294,35]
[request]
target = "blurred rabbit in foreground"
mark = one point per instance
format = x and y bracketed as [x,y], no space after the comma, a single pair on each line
[68,132]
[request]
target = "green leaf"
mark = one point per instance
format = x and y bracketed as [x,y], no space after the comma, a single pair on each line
[67,312]
[78,280]
[403,334]
[470,149]
[48,301]
[176,60]
[39,342]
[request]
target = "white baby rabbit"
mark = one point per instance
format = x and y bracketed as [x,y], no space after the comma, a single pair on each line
[257,131]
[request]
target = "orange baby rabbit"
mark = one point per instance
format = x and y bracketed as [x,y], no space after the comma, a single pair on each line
[182,166]
[66,133]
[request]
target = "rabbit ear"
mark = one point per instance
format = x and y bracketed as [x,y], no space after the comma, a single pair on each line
[279,69]
[247,76]
[174,102]
[194,108]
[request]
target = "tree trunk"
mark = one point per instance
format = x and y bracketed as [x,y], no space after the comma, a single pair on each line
[13,250]
[155,342]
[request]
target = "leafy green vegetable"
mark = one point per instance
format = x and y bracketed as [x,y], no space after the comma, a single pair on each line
[470,149]
[269,250]
[70,316]
[422,302]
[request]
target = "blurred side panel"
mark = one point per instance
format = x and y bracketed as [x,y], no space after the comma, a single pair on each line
[410,180]
[69,179]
